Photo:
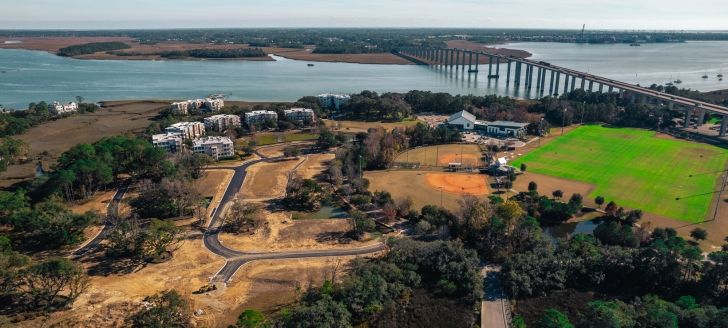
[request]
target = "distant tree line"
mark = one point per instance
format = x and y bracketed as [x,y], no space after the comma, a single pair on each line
[15,122]
[214,53]
[89,48]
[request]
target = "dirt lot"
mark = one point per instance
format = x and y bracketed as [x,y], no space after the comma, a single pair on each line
[548,184]
[283,233]
[360,126]
[314,165]
[461,184]
[268,180]
[467,154]
[462,44]
[55,137]
[413,184]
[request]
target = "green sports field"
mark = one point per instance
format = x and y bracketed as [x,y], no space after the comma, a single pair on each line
[636,169]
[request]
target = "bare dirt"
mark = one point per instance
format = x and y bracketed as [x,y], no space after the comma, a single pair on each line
[548,184]
[460,184]
[267,180]
[314,165]
[412,184]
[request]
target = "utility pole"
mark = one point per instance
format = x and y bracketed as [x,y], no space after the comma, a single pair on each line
[563,121]
[583,108]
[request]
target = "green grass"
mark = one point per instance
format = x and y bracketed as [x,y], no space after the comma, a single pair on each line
[269,139]
[635,169]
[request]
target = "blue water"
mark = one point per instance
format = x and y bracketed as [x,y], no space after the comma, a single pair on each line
[34,75]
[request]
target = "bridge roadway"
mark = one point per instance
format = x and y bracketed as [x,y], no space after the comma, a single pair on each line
[460,58]
[234,259]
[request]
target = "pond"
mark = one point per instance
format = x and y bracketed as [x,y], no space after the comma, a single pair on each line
[325,212]
[565,230]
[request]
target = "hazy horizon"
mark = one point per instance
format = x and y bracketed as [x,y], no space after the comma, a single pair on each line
[672,15]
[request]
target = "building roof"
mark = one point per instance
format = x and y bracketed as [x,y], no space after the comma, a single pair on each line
[211,140]
[166,136]
[508,124]
[298,110]
[464,114]
[261,112]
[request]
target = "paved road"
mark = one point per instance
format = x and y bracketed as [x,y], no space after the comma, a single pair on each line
[492,312]
[111,213]
[234,258]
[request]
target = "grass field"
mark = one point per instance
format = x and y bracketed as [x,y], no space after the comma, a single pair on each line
[269,139]
[635,168]
[361,126]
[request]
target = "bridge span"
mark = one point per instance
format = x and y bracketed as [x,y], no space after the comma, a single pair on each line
[522,71]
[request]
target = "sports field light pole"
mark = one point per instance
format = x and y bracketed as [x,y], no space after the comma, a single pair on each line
[583,108]
[563,121]
[720,192]
[540,131]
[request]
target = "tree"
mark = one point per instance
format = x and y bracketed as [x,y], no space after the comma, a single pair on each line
[125,238]
[699,234]
[166,309]
[326,139]
[599,200]
[159,237]
[361,223]
[11,265]
[291,151]
[523,167]
[48,279]
[608,314]
[251,319]
[304,194]
[558,194]
[324,313]
[552,318]
[167,199]
[243,215]
[532,187]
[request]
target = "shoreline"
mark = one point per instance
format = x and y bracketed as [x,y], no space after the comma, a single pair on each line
[150,51]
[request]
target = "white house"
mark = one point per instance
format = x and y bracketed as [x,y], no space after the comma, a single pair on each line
[300,114]
[207,104]
[466,121]
[188,130]
[222,122]
[171,142]
[58,109]
[260,116]
[334,101]
[214,104]
[462,120]
[215,147]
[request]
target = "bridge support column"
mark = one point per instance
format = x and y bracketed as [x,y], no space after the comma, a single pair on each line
[543,80]
[530,77]
[470,61]
[497,67]
[551,84]
[723,125]
[701,117]
[556,87]
[508,73]
[670,105]
[611,89]
[573,83]
[583,84]
[591,85]
[566,83]
[477,62]
[490,66]
[517,75]
[538,79]
[601,88]
[687,117]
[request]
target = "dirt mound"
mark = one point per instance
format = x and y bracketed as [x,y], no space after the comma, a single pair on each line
[470,184]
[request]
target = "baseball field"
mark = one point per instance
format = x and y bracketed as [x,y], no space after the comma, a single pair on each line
[636,169]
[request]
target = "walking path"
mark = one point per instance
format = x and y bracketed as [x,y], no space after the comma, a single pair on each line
[111,212]
[494,310]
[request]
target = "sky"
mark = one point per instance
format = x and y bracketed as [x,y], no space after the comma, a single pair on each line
[563,14]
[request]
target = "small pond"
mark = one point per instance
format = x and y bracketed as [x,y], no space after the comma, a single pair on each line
[326,212]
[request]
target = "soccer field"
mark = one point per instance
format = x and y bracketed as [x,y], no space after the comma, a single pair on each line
[635,169]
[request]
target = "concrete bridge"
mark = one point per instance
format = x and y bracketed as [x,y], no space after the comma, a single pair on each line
[522,71]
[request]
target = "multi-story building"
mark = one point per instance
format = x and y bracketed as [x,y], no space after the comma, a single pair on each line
[334,101]
[188,130]
[207,104]
[260,116]
[214,104]
[59,109]
[215,147]
[222,122]
[300,114]
[171,142]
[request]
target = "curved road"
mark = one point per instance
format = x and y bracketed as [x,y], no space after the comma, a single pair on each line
[234,259]
[111,212]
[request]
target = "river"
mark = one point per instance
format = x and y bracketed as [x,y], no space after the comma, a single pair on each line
[27,76]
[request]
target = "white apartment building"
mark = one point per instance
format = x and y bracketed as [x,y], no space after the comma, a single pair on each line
[188,130]
[300,114]
[171,142]
[260,116]
[222,122]
[215,147]
[334,101]
[207,104]
[58,109]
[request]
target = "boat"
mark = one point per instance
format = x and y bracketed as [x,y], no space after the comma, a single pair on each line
[310,65]
[635,45]
[720,75]
[705,76]
[678,81]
